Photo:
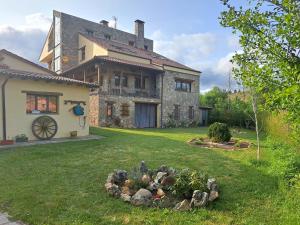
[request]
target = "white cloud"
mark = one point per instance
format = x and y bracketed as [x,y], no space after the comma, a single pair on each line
[27,39]
[233,42]
[197,51]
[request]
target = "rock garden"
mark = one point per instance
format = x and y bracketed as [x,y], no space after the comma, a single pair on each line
[219,136]
[164,187]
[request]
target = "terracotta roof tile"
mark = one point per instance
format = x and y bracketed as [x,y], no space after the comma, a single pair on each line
[155,58]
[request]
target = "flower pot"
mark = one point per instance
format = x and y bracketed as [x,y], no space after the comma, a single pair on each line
[6,142]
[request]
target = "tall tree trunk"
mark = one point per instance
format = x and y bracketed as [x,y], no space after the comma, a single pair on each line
[254,108]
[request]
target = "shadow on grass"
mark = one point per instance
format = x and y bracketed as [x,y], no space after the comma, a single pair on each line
[63,183]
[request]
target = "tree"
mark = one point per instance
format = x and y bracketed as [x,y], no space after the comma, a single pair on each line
[269,64]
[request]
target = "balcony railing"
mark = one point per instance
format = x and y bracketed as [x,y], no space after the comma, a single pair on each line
[141,93]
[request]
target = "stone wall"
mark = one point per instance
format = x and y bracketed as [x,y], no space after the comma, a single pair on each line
[71,26]
[172,97]
[94,110]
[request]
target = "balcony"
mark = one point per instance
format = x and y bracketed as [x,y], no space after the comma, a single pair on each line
[126,92]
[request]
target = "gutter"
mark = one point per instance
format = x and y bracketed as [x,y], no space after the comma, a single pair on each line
[4,109]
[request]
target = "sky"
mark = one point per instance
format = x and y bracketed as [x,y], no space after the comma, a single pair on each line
[187,31]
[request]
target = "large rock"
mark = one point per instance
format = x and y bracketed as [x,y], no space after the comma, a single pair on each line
[120,176]
[183,206]
[143,168]
[146,179]
[163,168]
[160,176]
[199,199]
[113,189]
[160,192]
[142,197]
[110,178]
[213,195]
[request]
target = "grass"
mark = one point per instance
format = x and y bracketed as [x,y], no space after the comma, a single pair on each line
[63,183]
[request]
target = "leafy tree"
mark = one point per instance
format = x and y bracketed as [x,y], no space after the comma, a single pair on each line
[269,64]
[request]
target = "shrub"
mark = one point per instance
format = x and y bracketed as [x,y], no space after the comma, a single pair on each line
[219,132]
[187,181]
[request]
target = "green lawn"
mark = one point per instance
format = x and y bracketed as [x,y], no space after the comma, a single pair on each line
[64,183]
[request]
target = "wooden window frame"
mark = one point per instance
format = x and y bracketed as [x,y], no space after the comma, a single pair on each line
[47,97]
[125,109]
[191,113]
[179,85]
[82,53]
[109,109]
[177,112]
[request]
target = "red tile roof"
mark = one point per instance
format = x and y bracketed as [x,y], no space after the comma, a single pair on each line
[47,77]
[155,58]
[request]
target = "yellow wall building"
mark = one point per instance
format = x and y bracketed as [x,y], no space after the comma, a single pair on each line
[29,91]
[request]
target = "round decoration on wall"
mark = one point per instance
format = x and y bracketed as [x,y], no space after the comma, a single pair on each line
[44,127]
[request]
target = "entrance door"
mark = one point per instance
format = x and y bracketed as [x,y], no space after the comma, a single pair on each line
[145,115]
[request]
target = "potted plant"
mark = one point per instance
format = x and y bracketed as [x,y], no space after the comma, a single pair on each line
[21,138]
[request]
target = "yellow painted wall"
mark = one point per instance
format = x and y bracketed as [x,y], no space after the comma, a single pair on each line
[19,122]
[91,49]
[17,64]
[128,57]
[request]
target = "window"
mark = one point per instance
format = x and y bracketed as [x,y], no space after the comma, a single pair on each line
[109,109]
[181,85]
[176,112]
[107,36]
[191,112]
[131,43]
[124,81]
[146,47]
[41,103]
[82,53]
[124,109]
[140,83]
[57,46]
[117,80]
[90,32]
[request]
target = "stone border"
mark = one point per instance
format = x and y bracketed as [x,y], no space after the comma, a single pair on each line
[4,220]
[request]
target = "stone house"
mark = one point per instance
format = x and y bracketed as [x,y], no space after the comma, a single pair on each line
[137,87]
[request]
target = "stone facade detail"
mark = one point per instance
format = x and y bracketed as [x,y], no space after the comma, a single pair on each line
[72,25]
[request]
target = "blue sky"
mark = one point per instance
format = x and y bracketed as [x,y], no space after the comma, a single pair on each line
[187,31]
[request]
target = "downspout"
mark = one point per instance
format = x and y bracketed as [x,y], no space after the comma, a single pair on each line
[4,108]
[161,100]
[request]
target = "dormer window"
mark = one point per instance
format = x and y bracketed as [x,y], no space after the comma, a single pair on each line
[131,43]
[107,36]
[90,32]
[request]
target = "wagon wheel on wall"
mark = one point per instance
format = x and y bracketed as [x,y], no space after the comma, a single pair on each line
[44,127]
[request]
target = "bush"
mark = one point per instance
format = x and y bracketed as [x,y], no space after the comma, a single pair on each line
[219,132]
[187,181]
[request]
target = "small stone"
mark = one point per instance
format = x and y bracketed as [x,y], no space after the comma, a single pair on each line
[183,206]
[199,199]
[213,195]
[125,197]
[153,186]
[142,197]
[113,189]
[143,167]
[146,179]
[129,183]
[160,192]
[127,190]
[110,178]
[210,182]
[120,176]
[168,181]
[160,176]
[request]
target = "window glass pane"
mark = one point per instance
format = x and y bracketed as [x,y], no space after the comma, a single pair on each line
[57,51]
[52,104]
[137,83]
[178,85]
[57,30]
[30,103]
[57,64]
[124,81]
[42,103]
[117,80]
[184,86]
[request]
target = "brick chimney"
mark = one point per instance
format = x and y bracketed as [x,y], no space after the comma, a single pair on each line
[139,32]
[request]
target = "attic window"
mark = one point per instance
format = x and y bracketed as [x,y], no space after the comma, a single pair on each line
[146,47]
[107,36]
[131,43]
[82,53]
[90,32]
